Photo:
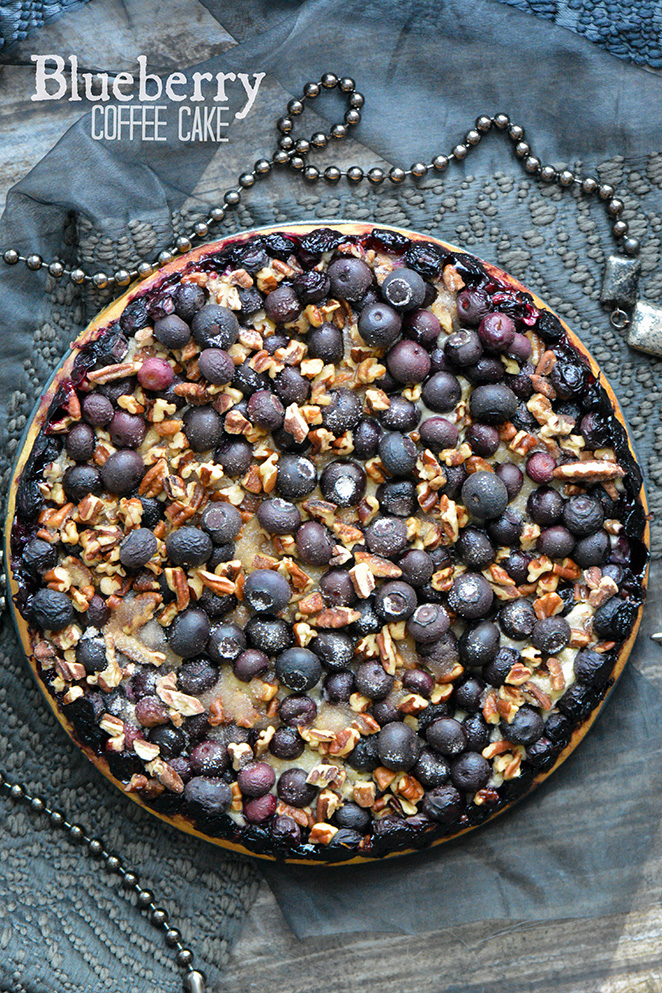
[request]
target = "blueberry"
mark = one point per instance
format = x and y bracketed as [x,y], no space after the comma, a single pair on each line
[339,686]
[400,415]
[350,278]
[437,433]
[475,548]
[512,476]
[208,796]
[470,596]
[497,671]
[517,566]
[188,546]
[314,543]
[172,331]
[441,392]
[189,632]
[337,588]
[326,343]
[215,327]
[418,681]
[397,497]
[395,601]
[221,521]
[544,506]
[297,710]
[592,667]
[155,374]
[51,610]
[256,779]
[398,746]
[153,512]
[507,529]
[299,669]
[137,548]
[442,804]
[417,567]
[38,555]
[551,634]
[285,829]
[463,347]
[540,467]
[353,817]
[216,365]
[470,772]
[343,482]
[364,757]
[286,743]
[296,477]
[335,649]
[468,695]
[477,732]
[369,622]
[517,619]
[379,325]
[484,495]
[492,404]
[188,298]
[398,453]
[496,331]
[592,550]
[386,536]
[614,619]
[291,386]
[372,680]
[91,653]
[98,612]
[404,289]
[484,439]
[365,437]
[526,727]
[568,378]
[80,442]
[265,410]
[431,769]
[268,634]
[583,515]
[408,362]
[226,643]
[343,413]
[427,623]
[266,591]
[196,676]
[250,664]
[422,327]
[488,369]
[80,480]
[278,516]
[479,645]
[556,542]
[472,305]
[97,409]
[248,381]
[293,789]
[446,736]
[235,456]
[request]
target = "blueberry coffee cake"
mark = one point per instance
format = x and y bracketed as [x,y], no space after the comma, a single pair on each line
[327,543]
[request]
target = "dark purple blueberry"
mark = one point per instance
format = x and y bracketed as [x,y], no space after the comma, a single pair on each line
[373,681]
[297,477]
[595,430]
[216,606]
[497,331]
[470,772]
[498,669]
[418,681]
[250,664]
[98,612]
[275,341]
[568,378]
[583,515]
[365,437]
[614,619]
[196,676]
[282,305]
[431,769]
[520,348]
[369,622]
[592,550]
[379,325]
[468,695]
[526,727]
[266,591]
[39,556]
[260,808]
[312,286]
[119,387]
[235,456]
[479,644]
[137,548]
[335,649]
[265,410]
[556,542]
[216,366]
[171,740]
[422,327]
[427,623]
[151,712]
[472,305]
[417,567]
[221,521]
[188,298]
[343,482]
[441,392]
[544,506]
[97,409]
[297,710]
[210,758]
[517,566]
[134,317]
[143,683]
[386,536]
[256,779]
[507,529]
[470,596]
[524,420]
[286,442]
[299,669]
[352,817]
[386,712]
[208,796]
[425,257]
[155,374]
[477,732]
[188,546]
[551,634]
[521,384]
[350,278]
[442,804]
[226,643]
[397,497]
[337,588]
[215,327]
[484,439]
[540,753]
[401,415]
[488,370]
[189,632]
[326,343]
[294,790]
[339,686]
[248,381]
[364,758]
[287,743]
[203,427]
[221,553]
[492,404]
[463,347]
[314,543]
[291,386]
[512,476]
[408,362]
[153,512]
[404,289]
[398,746]
[172,331]
[80,442]
[437,434]
[484,495]
[91,653]
[127,430]
[111,347]
[517,619]
[343,413]
[398,453]
[278,516]
[446,736]
[592,667]
[439,362]
[395,601]
[269,634]
[549,327]
[285,829]
[540,467]
[79,480]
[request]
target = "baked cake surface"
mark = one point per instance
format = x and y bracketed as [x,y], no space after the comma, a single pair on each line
[327,543]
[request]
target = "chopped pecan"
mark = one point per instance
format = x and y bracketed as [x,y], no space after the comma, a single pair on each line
[364,794]
[322,834]
[336,617]
[362,579]
[589,471]
[382,568]
[548,605]
[295,423]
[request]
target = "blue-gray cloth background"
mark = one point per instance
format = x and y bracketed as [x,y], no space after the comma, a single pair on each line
[579,75]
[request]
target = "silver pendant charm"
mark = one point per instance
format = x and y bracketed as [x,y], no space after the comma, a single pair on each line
[645,329]
[619,283]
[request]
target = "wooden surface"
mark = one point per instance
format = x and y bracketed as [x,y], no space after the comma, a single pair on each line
[620,954]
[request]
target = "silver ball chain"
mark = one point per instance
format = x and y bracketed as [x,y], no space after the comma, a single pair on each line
[291,153]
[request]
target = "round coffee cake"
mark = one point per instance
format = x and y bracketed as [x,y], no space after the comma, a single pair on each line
[327,543]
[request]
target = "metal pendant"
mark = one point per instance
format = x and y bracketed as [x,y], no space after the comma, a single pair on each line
[619,283]
[645,329]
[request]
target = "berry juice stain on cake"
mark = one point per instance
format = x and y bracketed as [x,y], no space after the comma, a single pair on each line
[327,544]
